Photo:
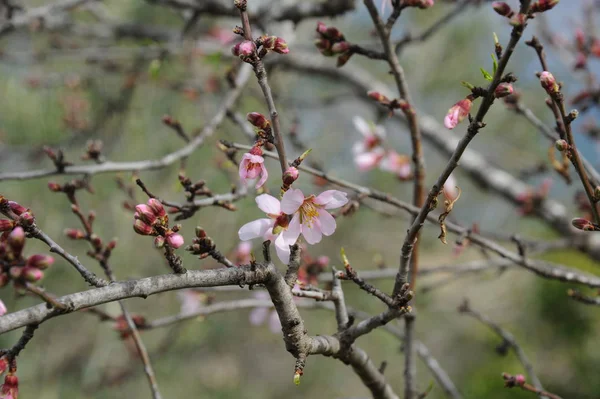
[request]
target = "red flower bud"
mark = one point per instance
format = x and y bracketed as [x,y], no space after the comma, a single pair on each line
[290,176]
[74,234]
[26,219]
[258,120]
[54,187]
[583,224]
[503,90]
[324,47]
[10,388]
[157,207]
[321,28]
[268,42]
[543,5]
[502,8]
[40,261]
[142,228]
[333,33]
[17,208]
[377,96]
[145,213]
[549,83]
[200,232]
[6,225]
[281,46]
[3,365]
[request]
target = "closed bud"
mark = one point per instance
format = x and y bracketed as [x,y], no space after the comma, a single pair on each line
[324,46]
[321,28]
[281,46]
[377,96]
[549,83]
[145,213]
[258,120]
[159,242]
[3,361]
[290,176]
[142,228]
[520,380]
[6,225]
[244,49]
[54,187]
[16,239]
[15,272]
[40,261]
[543,5]
[174,240]
[112,244]
[502,8]
[74,234]
[26,219]
[200,232]
[343,59]
[268,42]
[561,145]
[583,224]
[32,274]
[96,241]
[340,47]
[518,20]
[503,90]
[157,207]
[333,33]
[17,208]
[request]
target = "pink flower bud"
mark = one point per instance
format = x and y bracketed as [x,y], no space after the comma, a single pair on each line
[244,49]
[145,213]
[40,261]
[3,361]
[157,207]
[377,96]
[502,8]
[17,208]
[321,28]
[142,228]
[503,90]
[281,46]
[457,113]
[268,42]
[32,274]
[159,242]
[340,47]
[26,219]
[583,224]
[74,234]
[422,4]
[520,380]
[543,5]
[561,145]
[290,176]
[324,47]
[54,187]
[10,388]
[174,240]
[549,83]
[258,120]
[16,239]
[6,225]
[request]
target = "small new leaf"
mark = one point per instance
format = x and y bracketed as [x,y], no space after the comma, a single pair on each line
[467,85]
[495,62]
[486,75]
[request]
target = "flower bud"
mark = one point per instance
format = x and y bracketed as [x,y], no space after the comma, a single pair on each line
[200,232]
[26,219]
[244,49]
[520,380]
[321,28]
[543,5]
[145,213]
[258,120]
[503,90]
[3,361]
[17,208]
[518,20]
[502,8]
[583,224]
[112,244]
[54,187]
[15,272]
[324,47]
[159,242]
[549,83]
[340,47]
[10,389]
[6,225]
[40,261]
[157,207]
[290,176]
[142,228]
[16,239]
[32,274]
[344,58]
[281,46]
[333,33]
[377,96]
[74,234]
[457,113]
[561,145]
[174,240]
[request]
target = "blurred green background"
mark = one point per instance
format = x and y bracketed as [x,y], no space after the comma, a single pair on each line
[223,356]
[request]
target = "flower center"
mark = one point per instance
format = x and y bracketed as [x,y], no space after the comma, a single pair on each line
[308,211]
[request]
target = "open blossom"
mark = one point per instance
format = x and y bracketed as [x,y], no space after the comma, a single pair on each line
[270,228]
[397,164]
[458,113]
[252,166]
[310,216]
[368,152]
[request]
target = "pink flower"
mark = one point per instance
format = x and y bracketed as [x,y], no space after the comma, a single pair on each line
[548,82]
[270,228]
[457,113]
[368,153]
[397,164]
[450,191]
[242,253]
[252,166]
[244,49]
[259,315]
[174,240]
[368,160]
[3,309]
[310,217]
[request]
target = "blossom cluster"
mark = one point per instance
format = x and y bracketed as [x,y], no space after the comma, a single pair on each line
[151,219]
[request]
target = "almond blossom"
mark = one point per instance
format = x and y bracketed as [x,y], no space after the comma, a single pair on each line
[252,166]
[368,152]
[458,113]
[310,216]
[397,164]
[270,228]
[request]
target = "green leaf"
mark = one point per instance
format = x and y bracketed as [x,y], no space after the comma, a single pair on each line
[486,74]
[495,64]
[467,85]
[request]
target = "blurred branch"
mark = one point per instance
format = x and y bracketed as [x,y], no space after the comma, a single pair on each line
[579,297]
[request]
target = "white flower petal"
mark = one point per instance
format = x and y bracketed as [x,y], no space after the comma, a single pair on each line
[312,233]
[255,229]
[362,126]
[291,201]
[268,204]
[327,221]
[332,199]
